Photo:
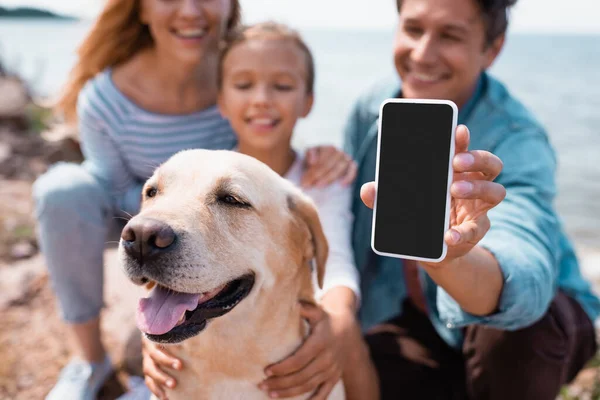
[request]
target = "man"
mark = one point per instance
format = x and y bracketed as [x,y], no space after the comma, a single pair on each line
[507,315]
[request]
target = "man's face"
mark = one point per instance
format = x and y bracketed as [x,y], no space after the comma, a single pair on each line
[440,49]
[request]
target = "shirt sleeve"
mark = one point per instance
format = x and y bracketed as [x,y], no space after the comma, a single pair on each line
[523,237]
[333,205]
[103,159]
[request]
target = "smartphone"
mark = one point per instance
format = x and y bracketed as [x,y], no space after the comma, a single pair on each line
[415,148]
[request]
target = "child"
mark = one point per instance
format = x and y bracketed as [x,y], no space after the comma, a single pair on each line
[266,78]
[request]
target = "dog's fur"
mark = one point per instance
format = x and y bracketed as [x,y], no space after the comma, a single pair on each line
[277,239]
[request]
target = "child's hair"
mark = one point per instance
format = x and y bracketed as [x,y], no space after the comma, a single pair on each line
[267,30]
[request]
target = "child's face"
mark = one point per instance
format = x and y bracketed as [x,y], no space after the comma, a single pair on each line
[264,91]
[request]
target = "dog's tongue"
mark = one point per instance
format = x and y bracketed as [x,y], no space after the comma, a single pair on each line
[160,312]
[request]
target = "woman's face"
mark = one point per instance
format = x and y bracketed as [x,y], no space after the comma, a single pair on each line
[186,30]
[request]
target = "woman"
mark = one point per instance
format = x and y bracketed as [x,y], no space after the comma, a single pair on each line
[145,87]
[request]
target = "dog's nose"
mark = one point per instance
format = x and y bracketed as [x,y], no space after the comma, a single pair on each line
[145,238]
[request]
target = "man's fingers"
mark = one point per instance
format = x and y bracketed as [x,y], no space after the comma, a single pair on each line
[468,176]
[462,139]
[367,194]
[481,161]
[491,193]
[468,232]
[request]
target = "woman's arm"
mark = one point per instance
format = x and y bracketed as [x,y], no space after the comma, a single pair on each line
[334,208]
[98,122]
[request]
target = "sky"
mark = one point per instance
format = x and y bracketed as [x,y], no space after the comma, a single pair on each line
[554,16]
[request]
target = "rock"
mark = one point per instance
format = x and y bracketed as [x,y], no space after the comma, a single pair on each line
[17,224]
[31,154]
[67,149]
[14,99]
[60,132]
[64,139]
[5,152]
[20,281]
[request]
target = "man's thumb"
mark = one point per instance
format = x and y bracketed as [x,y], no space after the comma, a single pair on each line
[367,194]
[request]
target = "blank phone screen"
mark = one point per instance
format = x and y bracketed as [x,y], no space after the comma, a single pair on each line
[414,154]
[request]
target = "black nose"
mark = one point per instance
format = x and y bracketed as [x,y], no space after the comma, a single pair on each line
[146,238]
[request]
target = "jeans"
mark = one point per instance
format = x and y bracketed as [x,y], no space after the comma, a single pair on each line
[75,213]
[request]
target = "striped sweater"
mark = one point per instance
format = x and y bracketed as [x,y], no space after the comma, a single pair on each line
[123,143]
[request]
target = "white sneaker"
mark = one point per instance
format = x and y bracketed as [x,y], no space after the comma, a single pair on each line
[80,380]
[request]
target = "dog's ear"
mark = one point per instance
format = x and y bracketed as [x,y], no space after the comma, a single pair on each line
[305,210]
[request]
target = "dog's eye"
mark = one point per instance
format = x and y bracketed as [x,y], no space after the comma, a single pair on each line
[232,201]
[151,192]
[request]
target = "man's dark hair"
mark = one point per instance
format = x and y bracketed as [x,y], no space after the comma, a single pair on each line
[495,16]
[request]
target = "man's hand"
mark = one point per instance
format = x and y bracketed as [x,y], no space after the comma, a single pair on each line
[473,194]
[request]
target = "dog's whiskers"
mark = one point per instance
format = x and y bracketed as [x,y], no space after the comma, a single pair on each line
[126,213]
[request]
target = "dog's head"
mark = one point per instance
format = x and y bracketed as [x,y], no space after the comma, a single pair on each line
[217,230]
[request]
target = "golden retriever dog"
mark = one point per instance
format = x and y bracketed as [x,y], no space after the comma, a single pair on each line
[228,247]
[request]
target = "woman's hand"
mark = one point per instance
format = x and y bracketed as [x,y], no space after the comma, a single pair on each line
[156,361]
[316,366]
[327,164]
[473,194]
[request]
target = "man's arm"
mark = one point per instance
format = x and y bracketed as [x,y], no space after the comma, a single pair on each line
[474,281]
[523,241]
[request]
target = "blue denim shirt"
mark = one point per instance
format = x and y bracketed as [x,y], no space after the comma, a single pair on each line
[526,236]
